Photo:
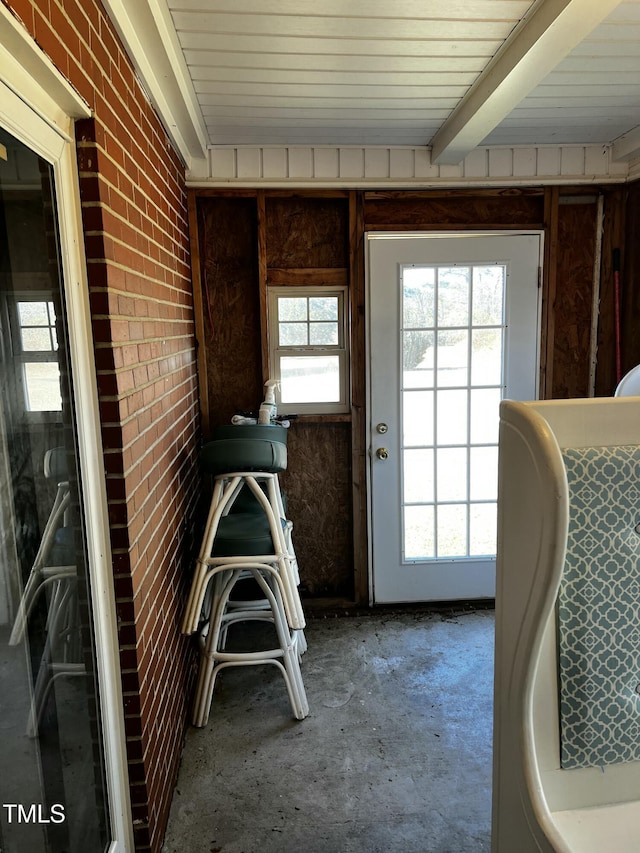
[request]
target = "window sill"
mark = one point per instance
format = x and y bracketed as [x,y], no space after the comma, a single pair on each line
[338,418]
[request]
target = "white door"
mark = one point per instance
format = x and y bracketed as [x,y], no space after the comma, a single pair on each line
[453,329]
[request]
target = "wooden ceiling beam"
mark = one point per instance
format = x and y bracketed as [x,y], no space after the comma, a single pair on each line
[627,146]
[541,40]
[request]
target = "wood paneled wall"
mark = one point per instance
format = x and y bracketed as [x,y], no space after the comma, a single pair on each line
[250,239]
[230,323]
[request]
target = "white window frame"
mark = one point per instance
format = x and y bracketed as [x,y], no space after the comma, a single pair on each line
[38,107]
[340,350]
[22,357]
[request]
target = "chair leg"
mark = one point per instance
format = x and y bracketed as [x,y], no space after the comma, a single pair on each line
[211,640]
[223,497]
[214,657]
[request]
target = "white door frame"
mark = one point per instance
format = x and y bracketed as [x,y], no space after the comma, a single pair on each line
[479,233]
[38,107]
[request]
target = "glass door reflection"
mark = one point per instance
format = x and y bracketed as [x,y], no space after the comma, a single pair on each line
[53,780]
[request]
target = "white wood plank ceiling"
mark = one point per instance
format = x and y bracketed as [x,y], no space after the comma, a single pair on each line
[451,74]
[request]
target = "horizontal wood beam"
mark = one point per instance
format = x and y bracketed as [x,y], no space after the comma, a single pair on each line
[535,47]
[315,277]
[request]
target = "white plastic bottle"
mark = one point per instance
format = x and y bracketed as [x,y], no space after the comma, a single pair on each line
[268,409]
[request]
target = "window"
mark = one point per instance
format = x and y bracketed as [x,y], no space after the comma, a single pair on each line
[35,349]
[308,354]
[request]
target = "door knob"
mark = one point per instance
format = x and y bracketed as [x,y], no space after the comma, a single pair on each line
[382,453]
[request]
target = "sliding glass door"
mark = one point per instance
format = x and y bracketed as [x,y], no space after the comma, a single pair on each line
[53,783]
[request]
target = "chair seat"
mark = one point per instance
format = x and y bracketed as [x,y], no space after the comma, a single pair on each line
[244,534]
[246,448]
[246,501]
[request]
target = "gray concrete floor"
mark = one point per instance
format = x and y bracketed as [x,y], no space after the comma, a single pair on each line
[394,757]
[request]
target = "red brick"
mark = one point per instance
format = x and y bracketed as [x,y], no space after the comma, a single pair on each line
[46,39]
[23,10]
[65,33]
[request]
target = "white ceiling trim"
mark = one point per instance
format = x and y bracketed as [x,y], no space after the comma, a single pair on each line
[405,167]
[535,48]
[147,31]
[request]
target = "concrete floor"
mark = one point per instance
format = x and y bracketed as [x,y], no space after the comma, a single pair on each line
[394,757]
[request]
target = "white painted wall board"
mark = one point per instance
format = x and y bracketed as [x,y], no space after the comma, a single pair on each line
[274,163]
[549,161]
[476,164]
[351,162]
[500,162]
[401,162]
[376,162]
[572,161]
[524,162]
[223,163]
[249,163]
[300,163]
[325,163]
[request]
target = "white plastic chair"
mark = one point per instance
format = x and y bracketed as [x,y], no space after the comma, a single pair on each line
[629,385]
[53,574]
[246,543]
[45,571]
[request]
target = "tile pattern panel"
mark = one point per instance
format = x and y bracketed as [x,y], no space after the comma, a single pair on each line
[599,609]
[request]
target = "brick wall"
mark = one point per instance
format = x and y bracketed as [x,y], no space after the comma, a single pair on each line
[135,220]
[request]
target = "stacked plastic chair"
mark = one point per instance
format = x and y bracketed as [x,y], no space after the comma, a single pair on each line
[54,575]
[247,538]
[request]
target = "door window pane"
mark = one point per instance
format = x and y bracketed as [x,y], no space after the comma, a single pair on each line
[452,530]
[452,474]
[483,480]
[418,297]
[452,417]
[485,415]
[488,295]
[453,359]
[483,525]
[486,356]
[418,359]
[453,296]
[417,418]
[419,538]
[418,476]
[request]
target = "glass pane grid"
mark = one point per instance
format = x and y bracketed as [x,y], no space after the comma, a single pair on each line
[37,322]
[308,321]
[452,355]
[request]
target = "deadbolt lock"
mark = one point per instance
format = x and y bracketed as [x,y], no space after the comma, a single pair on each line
[382,453]
[382,428]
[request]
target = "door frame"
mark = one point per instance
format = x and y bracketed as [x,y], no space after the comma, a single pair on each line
[38,107]
[424,234]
